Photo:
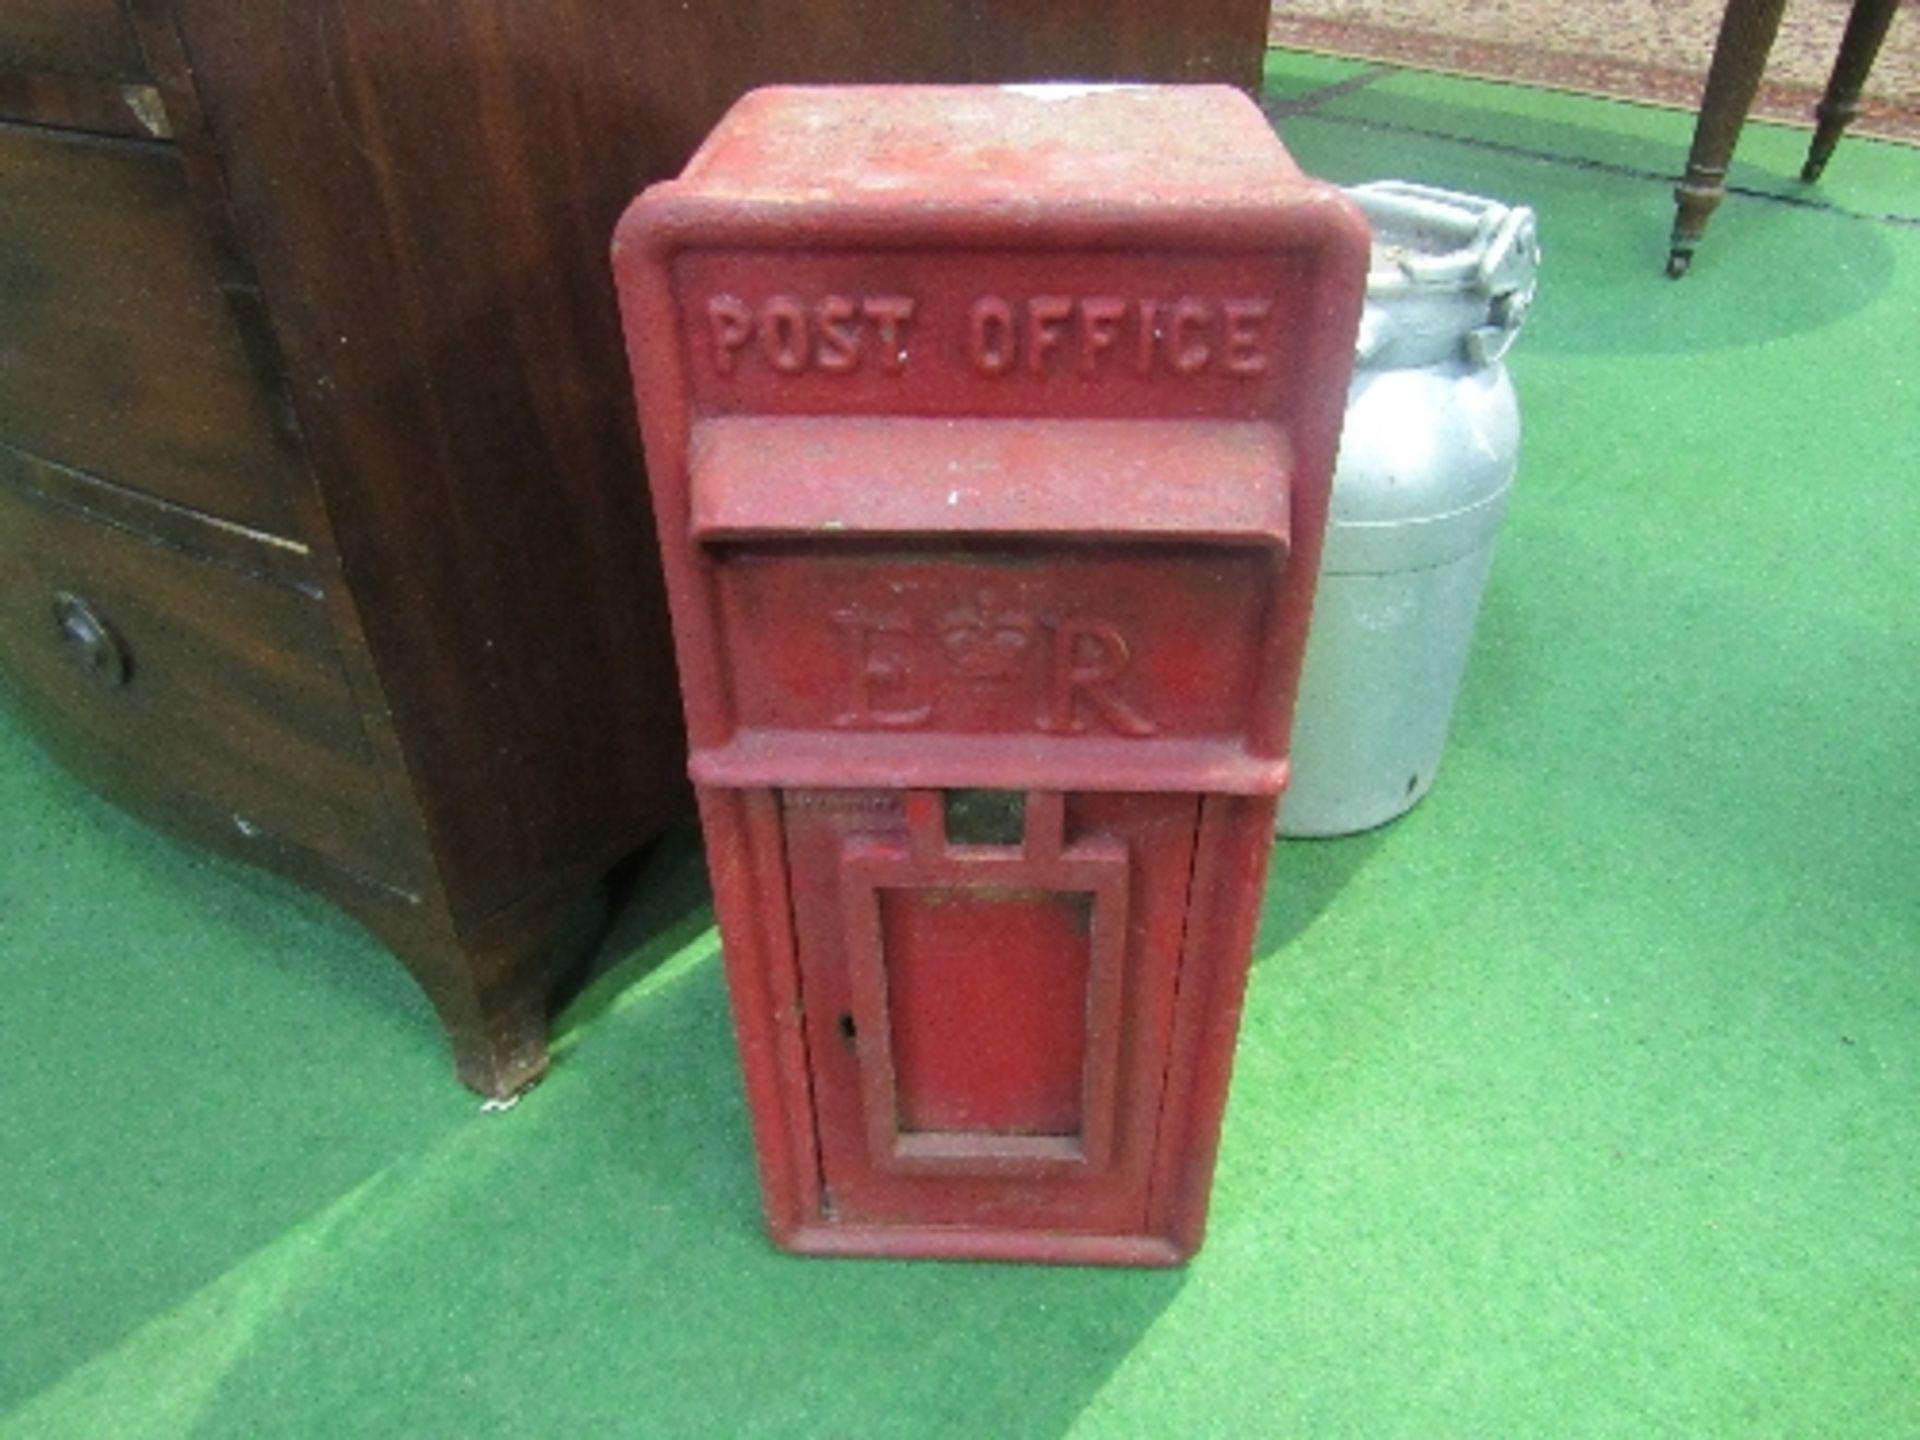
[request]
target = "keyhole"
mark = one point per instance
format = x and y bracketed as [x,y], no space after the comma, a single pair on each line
[849,1031]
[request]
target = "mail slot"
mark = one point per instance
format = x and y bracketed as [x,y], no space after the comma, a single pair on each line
[989,433]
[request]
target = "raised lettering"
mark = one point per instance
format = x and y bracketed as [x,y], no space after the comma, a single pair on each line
[1088,656]
[1046,318]
[990,338]
[732,324]
[783,334]
[890,313]
[1190,354]
[1245,354]
[839,349]
[879,664]
[1099,322]
[1143,351]
[1038,335]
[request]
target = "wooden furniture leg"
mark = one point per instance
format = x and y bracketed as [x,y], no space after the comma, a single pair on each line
[1866,28]
[492,983]
[1739,56]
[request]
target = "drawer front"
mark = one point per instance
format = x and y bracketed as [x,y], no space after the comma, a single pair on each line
[154,672]
[118,354]
[75,37]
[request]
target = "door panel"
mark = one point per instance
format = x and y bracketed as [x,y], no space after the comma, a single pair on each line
[988,1022]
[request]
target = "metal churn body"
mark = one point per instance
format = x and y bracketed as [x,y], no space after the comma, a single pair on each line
[1427,459]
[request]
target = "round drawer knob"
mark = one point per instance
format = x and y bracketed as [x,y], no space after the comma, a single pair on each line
[90,641]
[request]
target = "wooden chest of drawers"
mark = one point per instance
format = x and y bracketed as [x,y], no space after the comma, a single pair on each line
[323,532]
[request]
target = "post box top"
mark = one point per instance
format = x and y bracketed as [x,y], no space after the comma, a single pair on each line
[989,431]
[995,146]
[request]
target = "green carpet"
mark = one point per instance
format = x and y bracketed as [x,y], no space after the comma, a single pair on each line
[1584,1101]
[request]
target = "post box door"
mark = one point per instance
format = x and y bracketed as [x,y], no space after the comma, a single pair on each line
[988,982]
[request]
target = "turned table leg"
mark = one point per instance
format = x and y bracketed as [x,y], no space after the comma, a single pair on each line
[1866,28]
[1739,56]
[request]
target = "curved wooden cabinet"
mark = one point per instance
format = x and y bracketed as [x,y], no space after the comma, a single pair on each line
[432,682]
[323,533]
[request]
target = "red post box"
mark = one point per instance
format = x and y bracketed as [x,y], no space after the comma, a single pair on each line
[989,433]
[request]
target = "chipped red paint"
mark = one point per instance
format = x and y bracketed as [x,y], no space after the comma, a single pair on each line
[989,433]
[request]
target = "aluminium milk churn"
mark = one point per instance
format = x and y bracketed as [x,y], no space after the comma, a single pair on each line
[1426,461]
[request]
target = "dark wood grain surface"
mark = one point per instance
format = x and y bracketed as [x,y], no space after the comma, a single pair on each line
[118,354]
[84,102]
[77,37]
[231,690]
[286,562]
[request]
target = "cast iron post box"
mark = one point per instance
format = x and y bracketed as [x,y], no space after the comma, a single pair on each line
[989,432]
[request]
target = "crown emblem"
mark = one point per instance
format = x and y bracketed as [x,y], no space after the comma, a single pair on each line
[983,644]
